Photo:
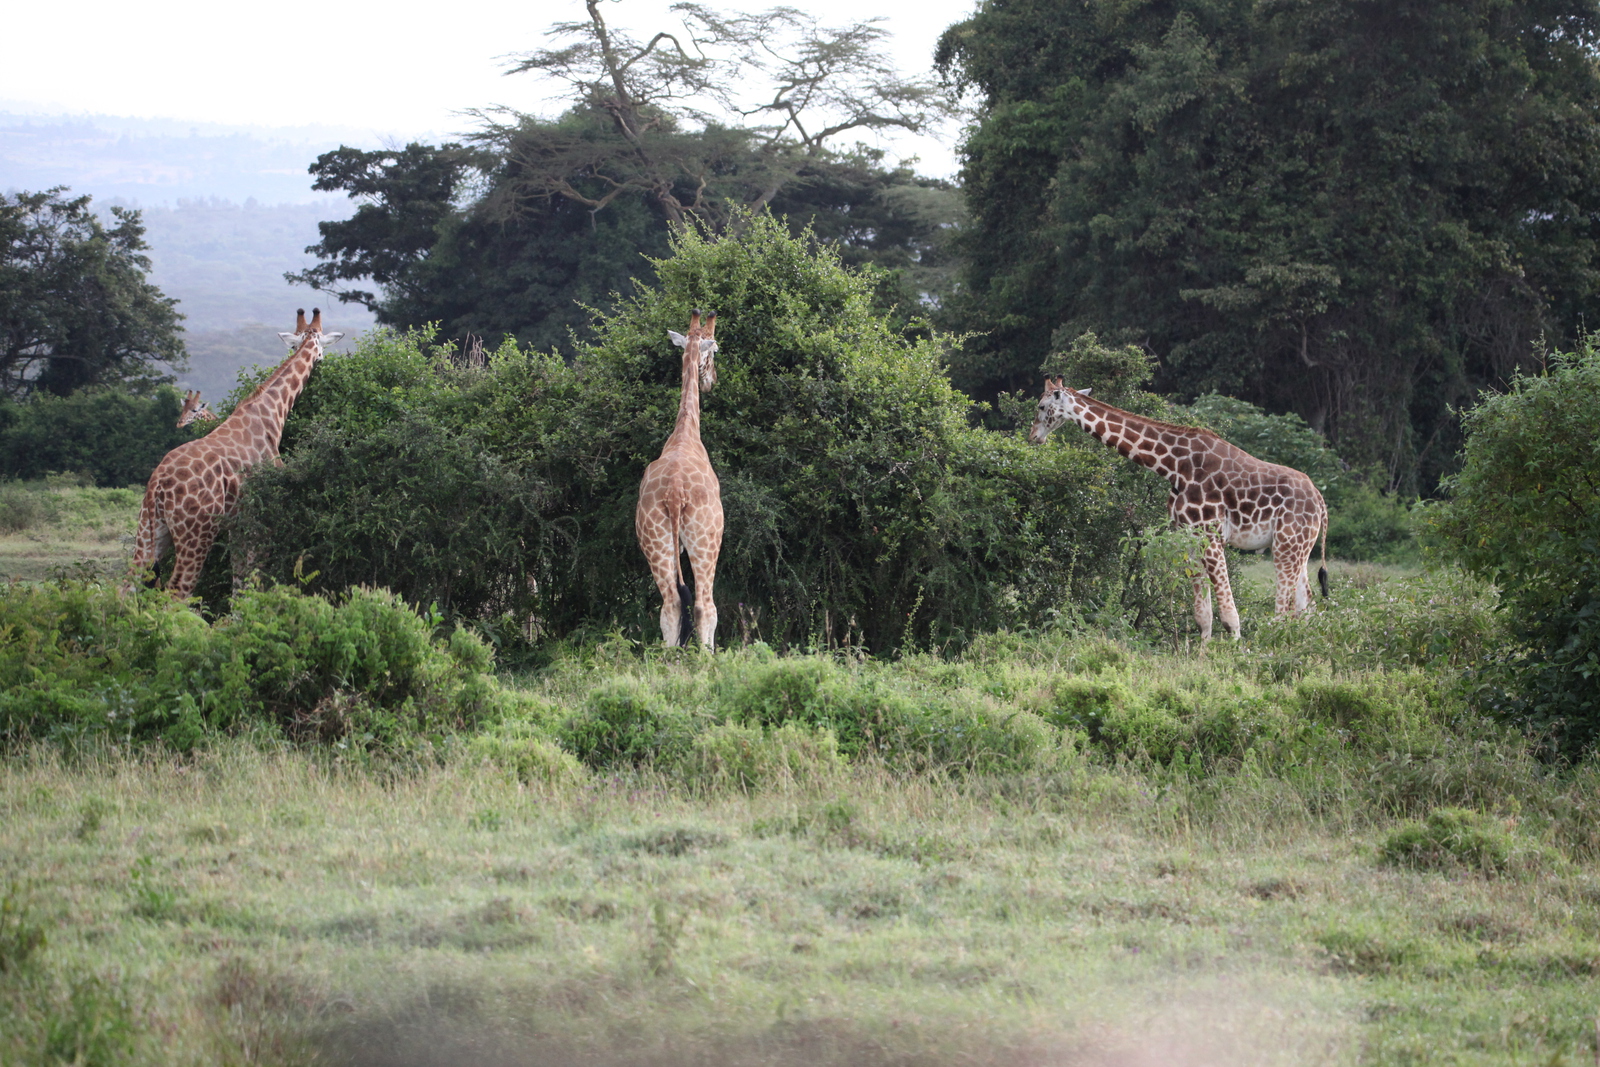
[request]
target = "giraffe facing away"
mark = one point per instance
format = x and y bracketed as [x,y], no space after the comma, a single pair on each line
[1218,489]
[194,410]
[680,502]
[197,484]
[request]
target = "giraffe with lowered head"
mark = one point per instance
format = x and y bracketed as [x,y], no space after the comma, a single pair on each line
[197,484]
[1218,489]
[680,501]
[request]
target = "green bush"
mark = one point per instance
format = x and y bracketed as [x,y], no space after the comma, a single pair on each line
[114,436]
[78,661]
[1456,838]
[624,722]
[754,757]
[862,507]
[1524,513]
[20,508]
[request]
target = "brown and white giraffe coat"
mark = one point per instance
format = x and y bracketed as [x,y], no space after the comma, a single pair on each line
[680,501]
[197,484]
[1218,489]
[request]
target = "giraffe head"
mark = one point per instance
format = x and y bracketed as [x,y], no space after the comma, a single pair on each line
[1058,404]
[704,334]
[302,329]
[194,410]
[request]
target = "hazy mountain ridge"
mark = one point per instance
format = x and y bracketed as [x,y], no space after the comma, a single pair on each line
[227,210]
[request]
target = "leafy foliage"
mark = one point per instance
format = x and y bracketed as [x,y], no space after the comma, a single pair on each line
[75,307]
[862,507]
[114,436]
[78,661]
[1362,241]
[1524,513]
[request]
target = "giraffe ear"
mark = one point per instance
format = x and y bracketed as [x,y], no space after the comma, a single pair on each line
[677,338]
[1086,390]
[290,339]
[330,338]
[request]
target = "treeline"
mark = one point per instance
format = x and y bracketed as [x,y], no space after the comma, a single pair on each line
[1359,212]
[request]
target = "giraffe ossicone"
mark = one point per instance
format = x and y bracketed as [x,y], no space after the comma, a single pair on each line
[1219,490]
[680,502]
[197,484]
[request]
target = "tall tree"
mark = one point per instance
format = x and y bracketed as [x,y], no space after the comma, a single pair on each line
[1359,210]
[75,306]
[657,138]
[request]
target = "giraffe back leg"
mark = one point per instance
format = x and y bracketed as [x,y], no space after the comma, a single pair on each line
[702,540]
[1291,558]
[152,541]
[658,539]
[192,544]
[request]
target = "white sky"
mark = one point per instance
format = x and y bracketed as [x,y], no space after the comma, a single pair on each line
[398,69]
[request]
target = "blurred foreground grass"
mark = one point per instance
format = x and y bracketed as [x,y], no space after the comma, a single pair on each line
[249,906]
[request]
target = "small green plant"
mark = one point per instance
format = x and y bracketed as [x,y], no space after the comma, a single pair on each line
[90,817]
[488,820]
[1455,838]
[150,899]
[20,935]
[92,1026]
[666,927]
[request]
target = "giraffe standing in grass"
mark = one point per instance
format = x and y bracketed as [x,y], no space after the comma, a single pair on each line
[194,410]
[197,484]
[680,502]
[1218,489]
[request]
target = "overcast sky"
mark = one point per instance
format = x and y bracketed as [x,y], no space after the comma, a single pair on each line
[399,70]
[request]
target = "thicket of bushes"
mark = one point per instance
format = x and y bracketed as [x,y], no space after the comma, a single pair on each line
[862,508]
[113,436]
[78,662]
[1524,513]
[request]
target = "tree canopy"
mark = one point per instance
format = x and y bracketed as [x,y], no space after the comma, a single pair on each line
[75,306]
[1362,211]
[536,219]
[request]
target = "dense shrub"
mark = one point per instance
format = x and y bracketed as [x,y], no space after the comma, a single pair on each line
[1456,838]
[861,507]
[1524,513]
[114,436]
[78,661]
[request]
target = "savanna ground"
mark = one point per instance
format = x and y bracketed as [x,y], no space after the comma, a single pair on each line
[1301,850]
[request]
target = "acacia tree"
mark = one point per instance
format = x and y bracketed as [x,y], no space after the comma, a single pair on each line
[1361,211]
[75,306]
[656,138]
[663,98]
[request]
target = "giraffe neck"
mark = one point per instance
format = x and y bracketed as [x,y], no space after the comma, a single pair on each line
[688,423]
[1167,449]
[267,408]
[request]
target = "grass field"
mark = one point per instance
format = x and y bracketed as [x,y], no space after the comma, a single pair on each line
[48,525]
[1230,865]
[273,908]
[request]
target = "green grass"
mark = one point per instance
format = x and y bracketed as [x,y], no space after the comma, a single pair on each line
[251,906]
[55,524]
[1057,847]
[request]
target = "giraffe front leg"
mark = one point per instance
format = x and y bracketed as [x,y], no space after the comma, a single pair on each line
[1216,561]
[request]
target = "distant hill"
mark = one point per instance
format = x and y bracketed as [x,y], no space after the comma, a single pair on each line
[227,210]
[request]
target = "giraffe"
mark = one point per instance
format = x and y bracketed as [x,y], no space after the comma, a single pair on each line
[680,501]
[194,410]
[1218,489]
[197,484]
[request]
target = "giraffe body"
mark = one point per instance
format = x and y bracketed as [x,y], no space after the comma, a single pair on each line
[1218,489]
[197,484]
[680,503]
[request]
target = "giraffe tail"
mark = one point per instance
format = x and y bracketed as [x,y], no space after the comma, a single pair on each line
[685,598]
[1322,571]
